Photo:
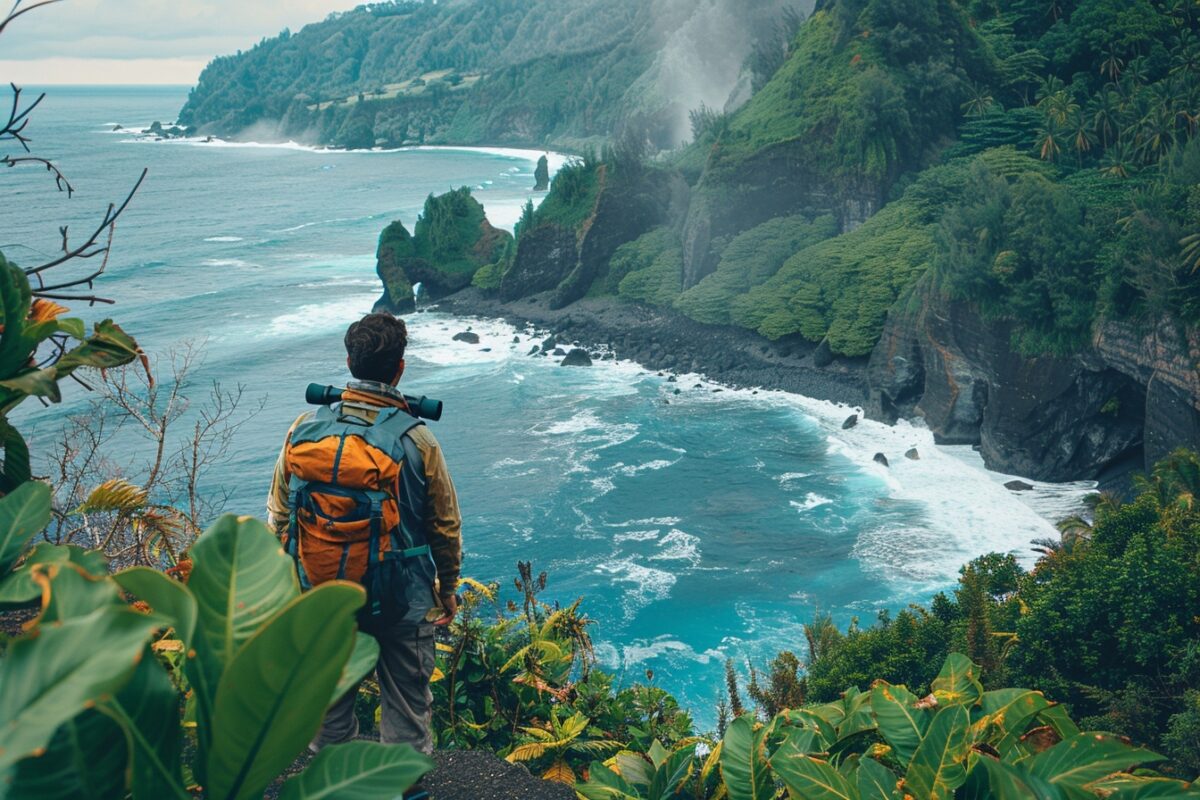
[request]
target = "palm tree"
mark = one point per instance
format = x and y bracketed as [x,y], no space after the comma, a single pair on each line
[559,738]
[1112,64]
[1185,54]
[1105,110]
[979,102]
[1191,250]
[1175,485]
[1048,141]
[1082,137]
[1156,134]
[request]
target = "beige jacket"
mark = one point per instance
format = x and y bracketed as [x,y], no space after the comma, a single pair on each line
[445,521]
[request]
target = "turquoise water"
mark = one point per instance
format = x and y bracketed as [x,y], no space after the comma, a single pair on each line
[709,527]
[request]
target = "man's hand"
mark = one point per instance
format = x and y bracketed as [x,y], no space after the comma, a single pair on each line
[450,603]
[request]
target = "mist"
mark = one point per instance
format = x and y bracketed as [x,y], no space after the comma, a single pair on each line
[705,48]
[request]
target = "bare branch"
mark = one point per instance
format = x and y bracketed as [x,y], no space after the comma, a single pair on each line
[91,248]
[18,118]
[60,180]
[17,11]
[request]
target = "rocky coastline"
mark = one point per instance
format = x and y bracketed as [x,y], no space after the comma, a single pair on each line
[1045,419]
[663,340]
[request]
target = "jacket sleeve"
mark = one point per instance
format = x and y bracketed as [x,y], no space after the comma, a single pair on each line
[444,519]
[278,502]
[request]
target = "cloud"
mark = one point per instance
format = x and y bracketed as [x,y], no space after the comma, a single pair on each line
[119,30]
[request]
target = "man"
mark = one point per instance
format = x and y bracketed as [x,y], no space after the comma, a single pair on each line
[371,448]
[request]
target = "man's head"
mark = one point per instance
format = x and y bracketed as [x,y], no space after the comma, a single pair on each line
[375,348]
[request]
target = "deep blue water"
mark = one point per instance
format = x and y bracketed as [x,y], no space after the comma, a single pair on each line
[712,526]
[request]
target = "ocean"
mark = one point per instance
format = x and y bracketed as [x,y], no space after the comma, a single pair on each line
[712,526]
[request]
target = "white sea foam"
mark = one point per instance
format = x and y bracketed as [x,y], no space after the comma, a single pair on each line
[225,239]
[650,466]
[812,500]
[322,316]
[304,225]
[678,546]
[643,650]
[638,536]
[788,477]
[648,584]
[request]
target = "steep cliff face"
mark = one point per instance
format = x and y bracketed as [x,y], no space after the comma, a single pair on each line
[569,260]
[773,183]
[1134,395]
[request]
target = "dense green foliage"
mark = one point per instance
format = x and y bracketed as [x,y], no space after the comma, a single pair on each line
[871,87]
[1106,621]
[959,741]
[520,679]
[521,71]
[749,260]
[93,694]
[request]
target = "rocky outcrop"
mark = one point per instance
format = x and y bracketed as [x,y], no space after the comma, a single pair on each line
[544,257]
[1134,395]
[451,241]
[568,261]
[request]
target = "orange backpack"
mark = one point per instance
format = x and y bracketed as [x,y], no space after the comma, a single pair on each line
[358,510]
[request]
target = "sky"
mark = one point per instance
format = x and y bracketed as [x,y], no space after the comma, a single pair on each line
[141,41]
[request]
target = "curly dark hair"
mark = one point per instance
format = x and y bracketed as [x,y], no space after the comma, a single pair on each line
[375,346]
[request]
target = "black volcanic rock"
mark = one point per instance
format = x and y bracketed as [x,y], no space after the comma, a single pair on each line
[1018,486]
[577,358]
[880,458]
[850,422]
[467,336]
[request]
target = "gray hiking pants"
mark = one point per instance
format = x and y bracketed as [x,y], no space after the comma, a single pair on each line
[406,657]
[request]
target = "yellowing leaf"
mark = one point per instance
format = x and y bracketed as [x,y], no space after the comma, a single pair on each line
[559,772]
[117,494]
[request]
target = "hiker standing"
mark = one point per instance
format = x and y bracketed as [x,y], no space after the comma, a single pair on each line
[361,493]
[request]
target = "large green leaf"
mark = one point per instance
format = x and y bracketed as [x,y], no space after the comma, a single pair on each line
[72,591]
[1008,782]
[48,678]
[1010,711]
[958,682]
[875,781]
[937,768]
[858,716]
[744,761]
[85,760]
[1087,757]
[15,299]
[604,784]
[1056,717]
[358,771]
[1139,787]
[672,772]
[19,587]
[901,723]
[147,709]
[24,513]
[16,468]
[240,578]
[808,777]
[169,598]
[360,664]
[273,696]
